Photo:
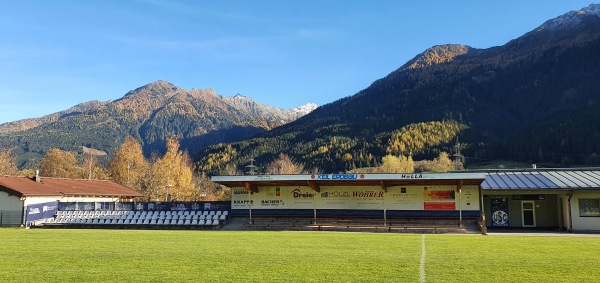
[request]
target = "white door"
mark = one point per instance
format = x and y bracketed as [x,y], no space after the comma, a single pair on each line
[528,213]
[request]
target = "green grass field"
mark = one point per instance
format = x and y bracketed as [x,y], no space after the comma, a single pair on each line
[57,255]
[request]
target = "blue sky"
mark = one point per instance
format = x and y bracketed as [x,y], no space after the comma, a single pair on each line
[56,54]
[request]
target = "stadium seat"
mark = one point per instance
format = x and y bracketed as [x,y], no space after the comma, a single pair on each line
[202,217]
[226,212]
[114,221]
[201,222]
[153,222]
[195,217]
[212,212]
[180,221]
[186,213]
[218,212]
[215,217]
[187,222]
[208,222]
[160,221]
[146,221]
[205,213]
[121,221]
[194,222]
[223,217]
[215,222]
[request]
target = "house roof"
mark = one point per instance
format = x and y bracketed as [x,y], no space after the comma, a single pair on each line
[24,186]
[543,179]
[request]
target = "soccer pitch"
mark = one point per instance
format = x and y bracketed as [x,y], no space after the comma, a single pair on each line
[61,255]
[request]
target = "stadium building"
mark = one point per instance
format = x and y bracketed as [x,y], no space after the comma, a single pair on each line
[386,200]
[24,200]
[565,199]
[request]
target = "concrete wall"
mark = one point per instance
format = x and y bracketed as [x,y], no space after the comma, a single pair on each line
[584,223]
[11,210]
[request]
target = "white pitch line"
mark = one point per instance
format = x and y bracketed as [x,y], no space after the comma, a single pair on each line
[422,263]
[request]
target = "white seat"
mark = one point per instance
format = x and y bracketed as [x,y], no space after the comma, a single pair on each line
[160,221]
[212,212]
[114,221]
[202,217]
[205,213]
[180,221]
[215,222]
[208,222]
[146,221]
[222,217]
[187,222]
[121,221]
[186,213]
[215,217]
[218,212]
[153,222]
[201,222]
[226,212]
[194,222]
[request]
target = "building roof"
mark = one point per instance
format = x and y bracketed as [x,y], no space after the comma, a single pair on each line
[543,179]
[24,186]
[316,180]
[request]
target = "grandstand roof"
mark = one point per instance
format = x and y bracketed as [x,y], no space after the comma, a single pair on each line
[543,179]
[24,186]
[316,180]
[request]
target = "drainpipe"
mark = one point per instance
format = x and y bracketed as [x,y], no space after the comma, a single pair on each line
[570,217]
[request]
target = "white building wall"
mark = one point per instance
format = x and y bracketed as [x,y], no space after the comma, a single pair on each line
[41,199]
[584,223]
[89,199]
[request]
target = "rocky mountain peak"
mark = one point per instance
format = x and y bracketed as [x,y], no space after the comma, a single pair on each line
[570,19]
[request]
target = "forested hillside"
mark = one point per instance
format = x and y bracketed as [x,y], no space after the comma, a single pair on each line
[150,114]
[533,99]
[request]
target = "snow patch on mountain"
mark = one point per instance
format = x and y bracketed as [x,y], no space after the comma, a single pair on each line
[305,109]
[570,19]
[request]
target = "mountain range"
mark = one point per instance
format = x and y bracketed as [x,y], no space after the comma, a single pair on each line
[150,114]
[534,99]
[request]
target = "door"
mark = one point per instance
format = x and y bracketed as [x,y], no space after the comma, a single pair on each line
[528,213]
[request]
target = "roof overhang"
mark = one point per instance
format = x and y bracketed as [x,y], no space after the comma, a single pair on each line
[315,181]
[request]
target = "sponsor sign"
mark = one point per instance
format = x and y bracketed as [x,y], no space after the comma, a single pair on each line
[41,211]
[499,209]
[356,197]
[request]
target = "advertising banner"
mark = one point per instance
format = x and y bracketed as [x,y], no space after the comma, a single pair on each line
[41,211]
[357,197]
[499,209]
[439,198]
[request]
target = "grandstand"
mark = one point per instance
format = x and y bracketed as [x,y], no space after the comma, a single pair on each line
[137,219]
[357,202]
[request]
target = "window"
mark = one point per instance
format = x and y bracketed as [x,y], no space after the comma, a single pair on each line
[589,207]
